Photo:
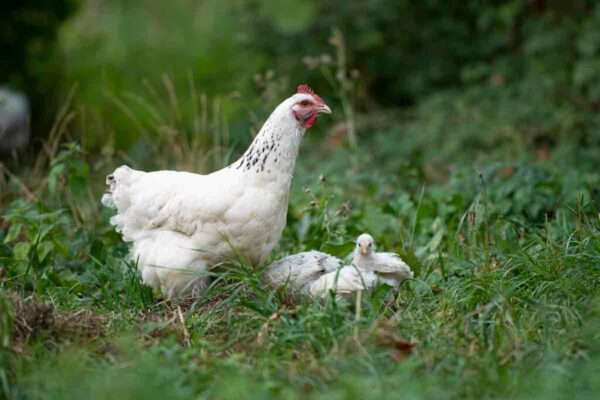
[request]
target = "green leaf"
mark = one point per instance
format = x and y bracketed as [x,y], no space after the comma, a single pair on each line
[78,186]
[13,232]
[436,240]
[44,230]
[55,173]
[43,249]
[97,249]
[21,251]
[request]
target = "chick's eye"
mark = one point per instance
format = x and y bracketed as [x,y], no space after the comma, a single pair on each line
[304,103]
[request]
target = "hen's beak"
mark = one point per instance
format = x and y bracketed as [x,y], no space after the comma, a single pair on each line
[364,250]
[324,109]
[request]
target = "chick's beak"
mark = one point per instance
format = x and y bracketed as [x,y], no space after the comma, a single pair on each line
[363,250]
[323,109]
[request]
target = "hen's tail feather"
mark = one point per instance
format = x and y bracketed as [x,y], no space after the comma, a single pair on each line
[107,200]
[118,196]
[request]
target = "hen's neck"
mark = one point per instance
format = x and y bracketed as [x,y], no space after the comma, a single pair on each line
[274,150]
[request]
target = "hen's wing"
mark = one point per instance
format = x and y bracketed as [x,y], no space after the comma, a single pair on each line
[165,200]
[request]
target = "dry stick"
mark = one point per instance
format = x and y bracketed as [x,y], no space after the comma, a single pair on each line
[158,99]
[194,136]
[56,131]
[358,312]
[151,110]
[127,158]
[170,88]
[92,199]
[216,132]
[24,188]
[186,334]
[125,109]
[224,138]
[52,145]
[173,318]
[337,41]
[356,330]
[486,234]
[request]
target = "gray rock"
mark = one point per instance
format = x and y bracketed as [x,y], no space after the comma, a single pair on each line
[14,120]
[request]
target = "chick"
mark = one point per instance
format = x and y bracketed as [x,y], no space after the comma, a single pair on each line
[389,267]
[298,271]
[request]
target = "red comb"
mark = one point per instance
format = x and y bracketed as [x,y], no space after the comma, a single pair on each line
[305,89]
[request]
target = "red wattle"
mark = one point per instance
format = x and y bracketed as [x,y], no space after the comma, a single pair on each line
[310,121]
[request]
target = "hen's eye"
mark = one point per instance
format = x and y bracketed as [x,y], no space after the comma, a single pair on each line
[304,103]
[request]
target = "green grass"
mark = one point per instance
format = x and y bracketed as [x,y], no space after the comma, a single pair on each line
[501,227]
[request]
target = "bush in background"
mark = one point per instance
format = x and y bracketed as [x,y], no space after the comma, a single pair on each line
[28,32]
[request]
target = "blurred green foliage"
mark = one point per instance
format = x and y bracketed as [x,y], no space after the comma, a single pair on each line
[128,57]
[123,51]
[28,61]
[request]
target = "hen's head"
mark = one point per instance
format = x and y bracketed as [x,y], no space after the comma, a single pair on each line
[306,106]
[365,244]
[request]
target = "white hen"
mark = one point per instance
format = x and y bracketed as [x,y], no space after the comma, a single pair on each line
[182,223]
[389,267]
